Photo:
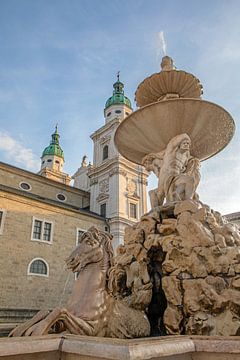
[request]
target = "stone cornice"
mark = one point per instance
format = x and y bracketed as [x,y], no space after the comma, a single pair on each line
[45,172]
[120,219]
[122,164]
[134,197]
[50,202]
[30,175]
[105,127]
[102,197]
[183,346]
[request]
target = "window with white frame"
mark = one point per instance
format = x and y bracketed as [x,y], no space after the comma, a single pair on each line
[105,152]
[38,267]
[103,209]
[133,210]
[2,219]
[80,232]
[42,230]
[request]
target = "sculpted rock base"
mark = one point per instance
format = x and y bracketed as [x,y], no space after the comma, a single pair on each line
[192,256]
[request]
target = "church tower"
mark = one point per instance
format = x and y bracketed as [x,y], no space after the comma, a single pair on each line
[117,186]
[52,161]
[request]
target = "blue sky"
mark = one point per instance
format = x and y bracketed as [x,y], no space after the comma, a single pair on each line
[59,59]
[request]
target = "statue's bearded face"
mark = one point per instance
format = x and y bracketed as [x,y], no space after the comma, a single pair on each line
[147,163]
[185,144]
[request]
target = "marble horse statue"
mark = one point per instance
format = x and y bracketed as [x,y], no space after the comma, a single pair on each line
[92,308]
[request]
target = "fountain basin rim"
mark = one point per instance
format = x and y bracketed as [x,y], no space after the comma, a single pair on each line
[150,128]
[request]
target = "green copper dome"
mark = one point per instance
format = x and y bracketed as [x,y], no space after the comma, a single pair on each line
[118,96]
[54,148]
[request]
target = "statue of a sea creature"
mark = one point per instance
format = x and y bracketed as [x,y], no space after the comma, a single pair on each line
[92,308]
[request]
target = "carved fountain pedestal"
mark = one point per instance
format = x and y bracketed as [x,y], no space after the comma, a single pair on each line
[72,347]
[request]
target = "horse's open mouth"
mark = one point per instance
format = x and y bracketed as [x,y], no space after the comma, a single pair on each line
[72,265]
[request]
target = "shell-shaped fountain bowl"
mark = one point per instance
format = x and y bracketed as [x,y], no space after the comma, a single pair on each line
[175,83]
[150,128]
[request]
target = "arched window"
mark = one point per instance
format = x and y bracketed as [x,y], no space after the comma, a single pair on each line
[105,152]
[38,267]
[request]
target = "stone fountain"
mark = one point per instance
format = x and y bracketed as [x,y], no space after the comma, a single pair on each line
[192,251]
[177,276]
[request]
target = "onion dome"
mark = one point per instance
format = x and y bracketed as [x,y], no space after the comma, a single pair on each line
[168,83]
[118,97]
[54,148]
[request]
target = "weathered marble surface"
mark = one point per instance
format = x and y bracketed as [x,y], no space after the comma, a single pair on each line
[71,347]
[92,308]
[169,83]
[193,259]
[177,172]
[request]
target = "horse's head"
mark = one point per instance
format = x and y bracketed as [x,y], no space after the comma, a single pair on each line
[91,249]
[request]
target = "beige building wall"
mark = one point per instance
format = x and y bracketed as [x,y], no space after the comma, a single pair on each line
[45,188]
[18,289]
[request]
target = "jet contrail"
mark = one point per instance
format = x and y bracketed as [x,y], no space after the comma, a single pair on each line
[162,43]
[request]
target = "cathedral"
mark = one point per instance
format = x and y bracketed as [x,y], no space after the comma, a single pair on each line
[42,216]
[117,186]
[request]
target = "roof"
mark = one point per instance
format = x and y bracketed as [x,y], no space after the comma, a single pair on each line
[54,148]
[118,96]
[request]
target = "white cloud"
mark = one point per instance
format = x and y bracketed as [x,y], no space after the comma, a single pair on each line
[17,153]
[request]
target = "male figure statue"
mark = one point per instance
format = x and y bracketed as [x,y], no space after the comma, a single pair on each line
[177,171]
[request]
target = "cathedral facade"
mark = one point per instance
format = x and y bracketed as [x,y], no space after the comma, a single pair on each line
[117,187]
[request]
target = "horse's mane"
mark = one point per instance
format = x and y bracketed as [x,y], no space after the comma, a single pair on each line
[104,238]
[106,241]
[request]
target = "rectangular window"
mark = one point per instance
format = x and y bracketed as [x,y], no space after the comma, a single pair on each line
[79,234]
[133,210]
[47,231]
[103,210]
[42,230]
[37,229]
[2,218]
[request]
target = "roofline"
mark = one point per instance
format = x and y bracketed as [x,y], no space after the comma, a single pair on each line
[50,202]
[44,179]
[233,216]
[106,126]
[117,103]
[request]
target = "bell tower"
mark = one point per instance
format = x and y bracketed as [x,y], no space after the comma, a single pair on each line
[52,161]
[117,186]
